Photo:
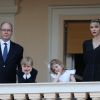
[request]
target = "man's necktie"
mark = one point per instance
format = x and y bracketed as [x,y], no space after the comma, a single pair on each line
[5,52]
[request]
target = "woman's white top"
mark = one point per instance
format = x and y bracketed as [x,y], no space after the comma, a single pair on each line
[65,77]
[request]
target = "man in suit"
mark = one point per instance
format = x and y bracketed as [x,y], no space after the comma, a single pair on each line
[12,61]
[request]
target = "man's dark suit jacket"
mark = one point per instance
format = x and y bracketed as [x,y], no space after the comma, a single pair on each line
[8,68]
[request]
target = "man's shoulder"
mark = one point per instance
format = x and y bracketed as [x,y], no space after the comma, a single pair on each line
[16,44]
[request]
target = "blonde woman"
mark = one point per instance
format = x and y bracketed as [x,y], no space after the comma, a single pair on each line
[91,51]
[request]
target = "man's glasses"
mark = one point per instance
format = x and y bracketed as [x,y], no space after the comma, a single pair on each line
[6,30]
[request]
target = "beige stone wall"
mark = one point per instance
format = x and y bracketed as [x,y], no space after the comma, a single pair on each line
[31,30]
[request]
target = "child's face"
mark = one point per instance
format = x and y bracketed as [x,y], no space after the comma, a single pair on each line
[26,69]
[57,68]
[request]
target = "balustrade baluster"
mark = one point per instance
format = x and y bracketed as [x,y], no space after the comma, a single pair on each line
[95,96]
[50,96]
[35,96]
[80,96]
[20,96]
[65,96]
[5,96]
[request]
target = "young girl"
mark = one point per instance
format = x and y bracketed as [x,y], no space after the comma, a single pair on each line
[59,74]
[27,74]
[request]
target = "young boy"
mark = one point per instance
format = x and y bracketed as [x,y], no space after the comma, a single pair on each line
[27,74]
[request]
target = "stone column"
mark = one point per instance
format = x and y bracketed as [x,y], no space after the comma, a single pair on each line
[8,10]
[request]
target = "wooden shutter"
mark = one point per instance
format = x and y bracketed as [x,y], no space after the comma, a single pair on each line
[77,32]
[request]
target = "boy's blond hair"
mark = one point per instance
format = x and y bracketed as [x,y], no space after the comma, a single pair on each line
[27,61]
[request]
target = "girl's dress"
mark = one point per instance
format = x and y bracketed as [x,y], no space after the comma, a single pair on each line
[65,77]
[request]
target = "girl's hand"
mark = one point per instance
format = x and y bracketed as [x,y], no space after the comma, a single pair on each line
[72,78]
[58,74]
[57,77]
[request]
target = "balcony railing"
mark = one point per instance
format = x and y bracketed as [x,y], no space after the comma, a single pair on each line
[50,91]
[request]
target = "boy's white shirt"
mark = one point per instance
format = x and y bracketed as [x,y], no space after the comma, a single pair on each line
[26,76]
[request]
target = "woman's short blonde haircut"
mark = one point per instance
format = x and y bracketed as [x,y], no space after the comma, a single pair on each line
[95,20]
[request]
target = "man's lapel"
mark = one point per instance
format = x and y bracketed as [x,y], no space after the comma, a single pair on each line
[1,57]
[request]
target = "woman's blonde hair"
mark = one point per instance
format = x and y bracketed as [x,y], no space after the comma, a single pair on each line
[95,20]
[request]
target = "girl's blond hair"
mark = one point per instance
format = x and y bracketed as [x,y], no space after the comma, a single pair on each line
[55,61]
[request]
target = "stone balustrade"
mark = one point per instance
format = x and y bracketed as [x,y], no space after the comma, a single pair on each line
[50,91]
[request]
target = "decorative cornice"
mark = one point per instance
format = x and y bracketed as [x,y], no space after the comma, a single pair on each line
[9,6]
[10,10]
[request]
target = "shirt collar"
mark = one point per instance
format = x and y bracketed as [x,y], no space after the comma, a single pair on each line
[26,76]
[2,42]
